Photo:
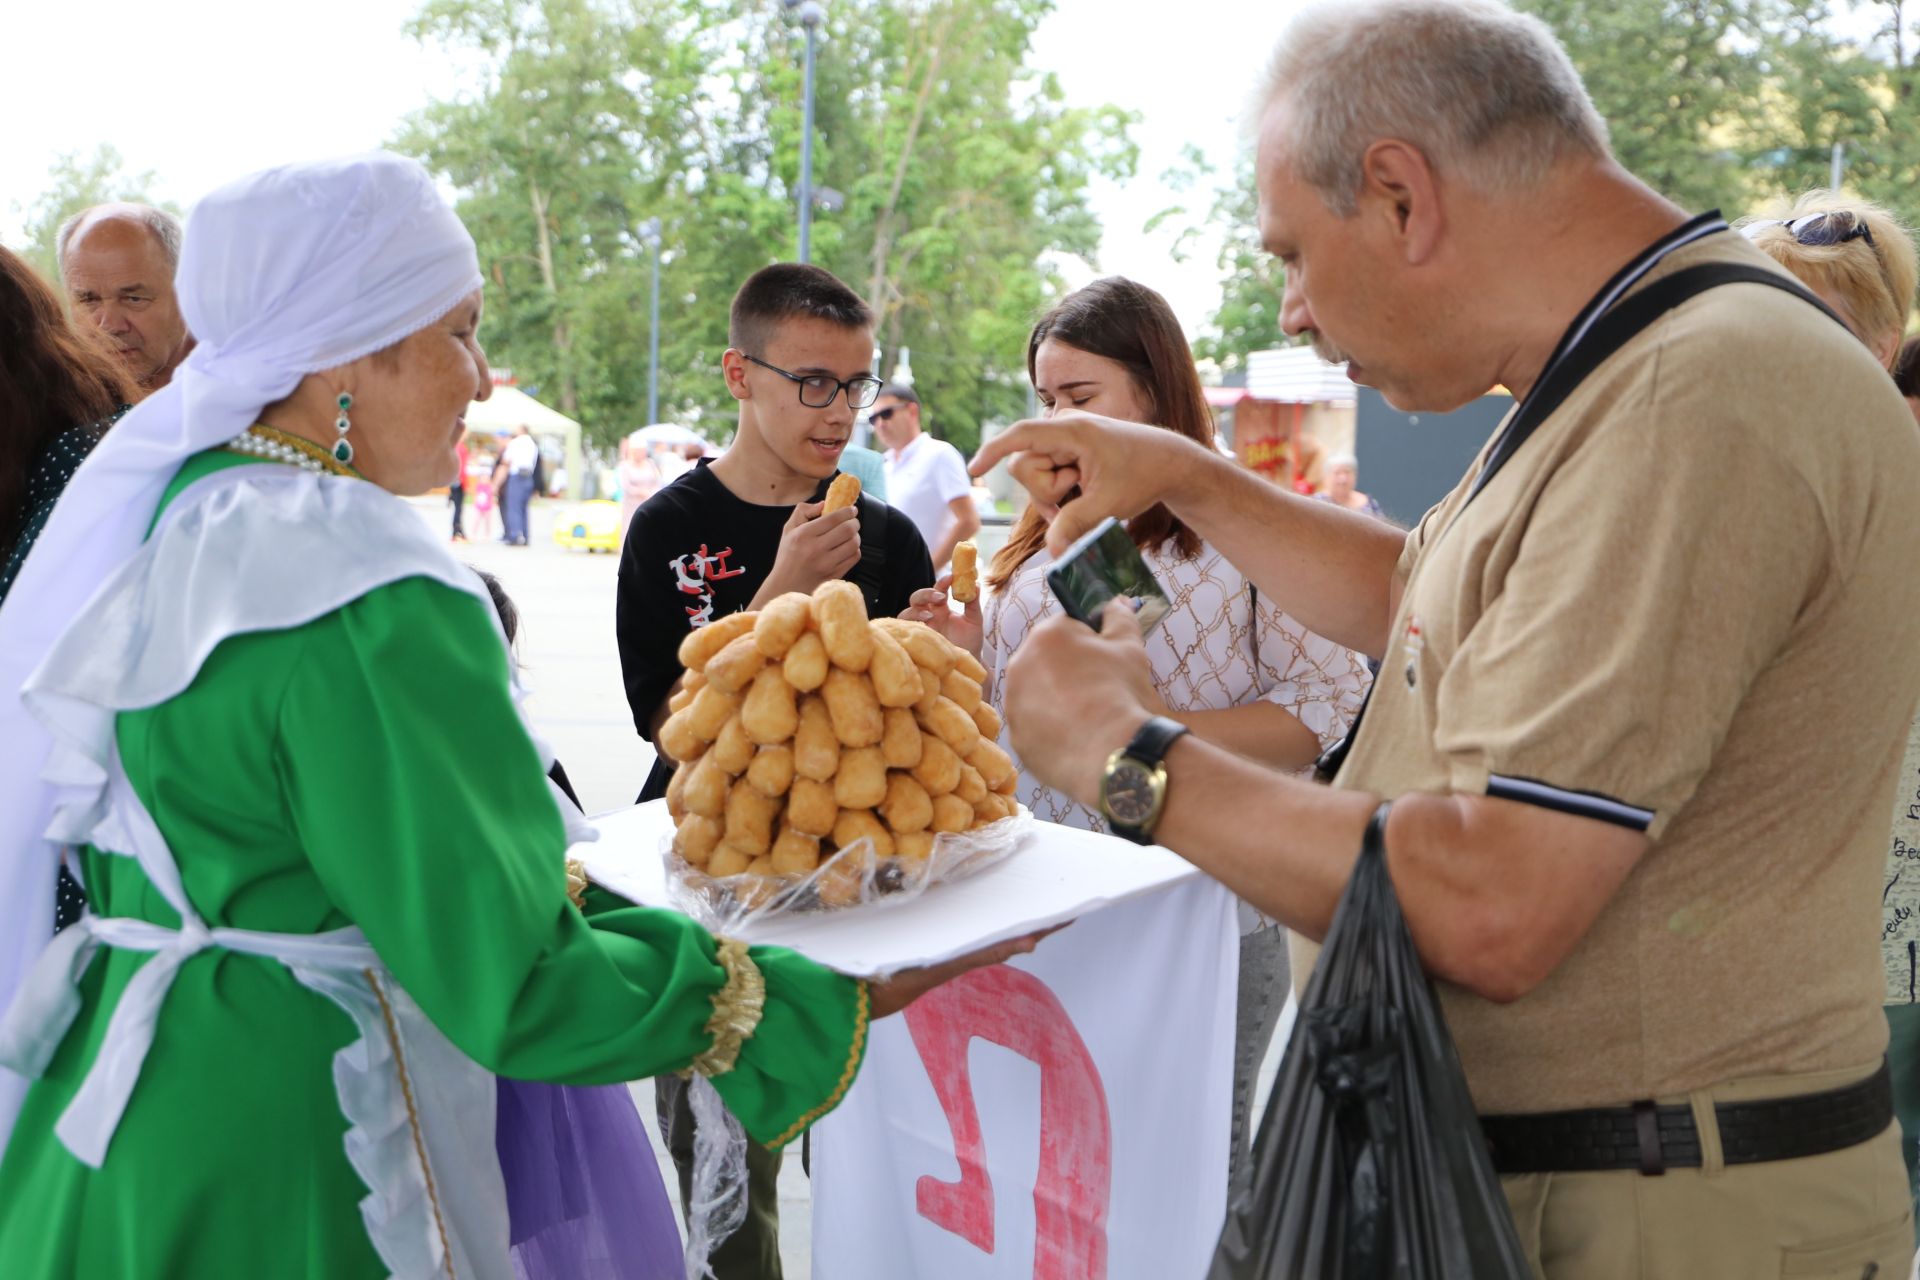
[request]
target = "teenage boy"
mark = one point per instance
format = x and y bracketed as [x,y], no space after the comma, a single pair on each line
[734,533]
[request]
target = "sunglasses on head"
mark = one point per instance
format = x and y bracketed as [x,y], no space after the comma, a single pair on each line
[1817,230]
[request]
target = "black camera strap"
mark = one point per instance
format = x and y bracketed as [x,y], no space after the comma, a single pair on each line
[1613,330]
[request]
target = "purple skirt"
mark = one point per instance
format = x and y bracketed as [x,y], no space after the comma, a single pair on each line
[584,1196]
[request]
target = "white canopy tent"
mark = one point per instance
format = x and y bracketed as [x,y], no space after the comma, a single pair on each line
[510,407]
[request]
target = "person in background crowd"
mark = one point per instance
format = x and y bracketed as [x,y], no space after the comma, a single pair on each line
[735,534]
[485,499]
[1906,375]
[1343,472]
[1226,661]
[675,460]
[349,908]
[1859,260]
[521,459]
[59,392]
[457,490]
[117,262]
[926,478]
[1637,726]
[639,479]
[1854,255]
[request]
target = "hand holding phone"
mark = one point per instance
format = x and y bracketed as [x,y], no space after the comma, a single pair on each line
[1102,566]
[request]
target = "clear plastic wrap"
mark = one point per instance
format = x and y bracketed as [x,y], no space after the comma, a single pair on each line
[718,1204]
[853,877]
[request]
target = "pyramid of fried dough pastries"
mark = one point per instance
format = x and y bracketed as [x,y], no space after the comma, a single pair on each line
[802,727]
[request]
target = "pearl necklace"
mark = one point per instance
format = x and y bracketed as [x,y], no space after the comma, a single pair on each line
[262,441]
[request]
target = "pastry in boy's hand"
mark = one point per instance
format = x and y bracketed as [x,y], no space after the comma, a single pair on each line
[842,493]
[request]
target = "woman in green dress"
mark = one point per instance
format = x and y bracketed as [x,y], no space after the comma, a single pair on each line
[274,723]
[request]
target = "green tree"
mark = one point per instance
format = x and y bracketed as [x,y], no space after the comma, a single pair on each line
[1678,82]
[1731,103]
[575,137]
[959,171]
[1715,103]
[77,183]
[964,174]
[1251,279]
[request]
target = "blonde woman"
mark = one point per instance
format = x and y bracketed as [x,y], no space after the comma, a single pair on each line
[1860,261]
[1854,255]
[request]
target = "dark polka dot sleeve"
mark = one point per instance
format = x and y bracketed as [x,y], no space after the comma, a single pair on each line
[47,479]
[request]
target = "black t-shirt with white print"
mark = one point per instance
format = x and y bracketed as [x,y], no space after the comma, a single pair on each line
[696,552]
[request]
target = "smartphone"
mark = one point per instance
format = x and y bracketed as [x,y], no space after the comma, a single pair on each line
[1102,566]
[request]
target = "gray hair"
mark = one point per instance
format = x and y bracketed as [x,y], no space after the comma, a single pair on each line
[1346,460]
[1482,91]
[163,226]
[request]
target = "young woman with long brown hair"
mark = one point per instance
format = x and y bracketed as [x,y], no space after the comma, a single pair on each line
[1228,663]
[58,393]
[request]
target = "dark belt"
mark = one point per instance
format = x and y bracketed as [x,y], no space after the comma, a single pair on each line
[1653,1138]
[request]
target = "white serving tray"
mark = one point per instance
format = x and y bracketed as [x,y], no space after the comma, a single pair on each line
[1058,874]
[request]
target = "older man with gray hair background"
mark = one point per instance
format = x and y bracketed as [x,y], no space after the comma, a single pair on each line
[117,263]
[1637,727]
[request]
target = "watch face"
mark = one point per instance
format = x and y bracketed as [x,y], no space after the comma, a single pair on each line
[1131,793]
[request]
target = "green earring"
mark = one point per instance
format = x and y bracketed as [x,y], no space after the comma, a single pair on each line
[342,450]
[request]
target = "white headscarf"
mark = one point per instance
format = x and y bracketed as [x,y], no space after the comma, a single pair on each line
[283,273]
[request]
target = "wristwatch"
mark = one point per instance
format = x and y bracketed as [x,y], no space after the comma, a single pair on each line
[1133,790]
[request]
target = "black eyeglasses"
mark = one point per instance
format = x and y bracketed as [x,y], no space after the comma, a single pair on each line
[884,414]
[817,390]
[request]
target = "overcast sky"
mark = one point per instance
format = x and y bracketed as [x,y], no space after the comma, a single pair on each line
[202,91]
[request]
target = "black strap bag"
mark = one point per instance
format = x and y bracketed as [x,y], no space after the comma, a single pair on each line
[1368,1164]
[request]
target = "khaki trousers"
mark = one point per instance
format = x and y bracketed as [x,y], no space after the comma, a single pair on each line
[1845,1215]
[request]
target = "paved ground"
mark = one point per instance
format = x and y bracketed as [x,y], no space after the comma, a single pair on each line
[569,659]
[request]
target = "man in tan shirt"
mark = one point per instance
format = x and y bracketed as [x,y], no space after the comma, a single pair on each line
[1639,725]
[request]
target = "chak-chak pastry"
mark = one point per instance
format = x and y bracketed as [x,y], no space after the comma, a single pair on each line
[842,493]
[965,587]
[781,623]
[701,644]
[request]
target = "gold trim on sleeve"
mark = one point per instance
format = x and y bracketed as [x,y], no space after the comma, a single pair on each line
[861,1016]
[736,1008]
[577,882]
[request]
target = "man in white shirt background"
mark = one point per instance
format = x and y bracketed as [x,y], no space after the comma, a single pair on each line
[522,457]
[926,478]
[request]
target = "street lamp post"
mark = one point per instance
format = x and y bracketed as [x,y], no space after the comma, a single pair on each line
[813,15]
[650,236]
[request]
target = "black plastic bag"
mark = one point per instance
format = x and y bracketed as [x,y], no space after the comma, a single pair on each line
[1369,1164]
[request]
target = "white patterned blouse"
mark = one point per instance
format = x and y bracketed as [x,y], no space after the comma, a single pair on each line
[1221,645]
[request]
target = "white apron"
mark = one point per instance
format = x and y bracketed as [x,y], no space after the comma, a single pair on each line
[421,1113]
